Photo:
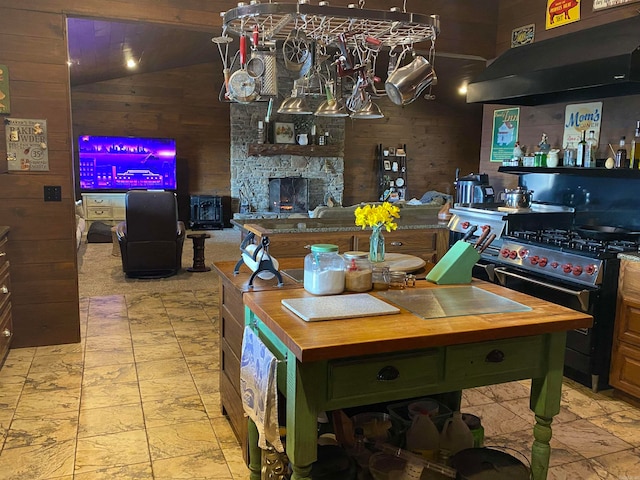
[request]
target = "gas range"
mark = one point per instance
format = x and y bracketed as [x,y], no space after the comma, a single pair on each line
[561,254]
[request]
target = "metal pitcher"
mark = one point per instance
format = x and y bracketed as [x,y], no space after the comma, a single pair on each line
[406,83]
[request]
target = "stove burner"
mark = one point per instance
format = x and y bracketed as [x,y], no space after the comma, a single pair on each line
[572,241]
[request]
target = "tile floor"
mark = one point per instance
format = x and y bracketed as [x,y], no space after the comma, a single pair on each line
[138,399]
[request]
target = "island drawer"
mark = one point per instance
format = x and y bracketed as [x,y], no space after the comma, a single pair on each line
[6,331]
[370,379]
[5,284]
[486,361]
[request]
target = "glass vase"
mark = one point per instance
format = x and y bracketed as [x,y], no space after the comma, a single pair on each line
[376,245]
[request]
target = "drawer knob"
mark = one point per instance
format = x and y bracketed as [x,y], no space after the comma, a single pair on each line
[388,373]
[6,333]
[4,289]
[494,356]
[396,244]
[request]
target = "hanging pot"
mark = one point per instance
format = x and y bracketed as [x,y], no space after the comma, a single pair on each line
[406,83]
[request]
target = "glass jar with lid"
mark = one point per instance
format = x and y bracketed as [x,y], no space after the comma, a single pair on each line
[357,275]
[324,270]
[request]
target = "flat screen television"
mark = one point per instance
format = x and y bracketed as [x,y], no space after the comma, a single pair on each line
[126,163]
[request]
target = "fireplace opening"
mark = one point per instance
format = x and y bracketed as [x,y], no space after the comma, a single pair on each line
[289,195]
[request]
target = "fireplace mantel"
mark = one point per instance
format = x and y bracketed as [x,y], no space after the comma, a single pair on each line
[270,150]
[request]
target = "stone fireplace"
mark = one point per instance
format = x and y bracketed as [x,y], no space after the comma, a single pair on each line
[251,174]
[289,195]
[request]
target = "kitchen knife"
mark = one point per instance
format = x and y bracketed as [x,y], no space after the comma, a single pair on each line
[469,232]
[491,238]
[482,237]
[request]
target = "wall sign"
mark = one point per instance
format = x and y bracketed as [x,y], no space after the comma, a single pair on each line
[523,35]
[562,12]
[505,133]
[602,4]
[26,144]
[5,98]
[581,117]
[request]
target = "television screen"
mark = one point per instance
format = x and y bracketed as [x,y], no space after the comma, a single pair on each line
[126,163]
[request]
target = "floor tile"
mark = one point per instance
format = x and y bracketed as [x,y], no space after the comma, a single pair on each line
[42,430]
[106,395]
[203,466]
[139,471]
[109,374]
[589,439]
[173,411]
[37,461]
[111,419]
[114,450]
[182,439]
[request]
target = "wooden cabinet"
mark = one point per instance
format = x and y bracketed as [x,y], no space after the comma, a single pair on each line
[625,355]
[6,325]
[231,290]
[428,244]
[108,208]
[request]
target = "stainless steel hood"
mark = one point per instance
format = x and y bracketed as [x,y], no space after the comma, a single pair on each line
[598,62]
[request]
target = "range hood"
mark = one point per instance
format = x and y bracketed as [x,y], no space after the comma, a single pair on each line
[598,62]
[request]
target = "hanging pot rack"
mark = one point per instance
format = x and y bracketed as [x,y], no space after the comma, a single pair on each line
[325,23]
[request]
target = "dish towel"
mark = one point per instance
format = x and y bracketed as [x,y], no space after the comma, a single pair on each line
[259,389]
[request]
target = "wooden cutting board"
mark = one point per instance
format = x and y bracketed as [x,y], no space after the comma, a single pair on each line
[313,309]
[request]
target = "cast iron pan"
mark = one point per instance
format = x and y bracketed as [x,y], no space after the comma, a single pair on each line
[604,232]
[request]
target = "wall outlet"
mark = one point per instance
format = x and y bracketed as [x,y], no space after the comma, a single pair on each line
[52,193]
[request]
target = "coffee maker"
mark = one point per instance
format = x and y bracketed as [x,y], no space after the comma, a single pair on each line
[473,189]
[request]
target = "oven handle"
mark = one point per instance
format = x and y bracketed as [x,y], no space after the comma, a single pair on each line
[489,269]
[582,295]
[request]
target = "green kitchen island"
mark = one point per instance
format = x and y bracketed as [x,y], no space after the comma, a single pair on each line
[492,335]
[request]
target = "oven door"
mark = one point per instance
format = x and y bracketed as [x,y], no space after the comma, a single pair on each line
[582,362]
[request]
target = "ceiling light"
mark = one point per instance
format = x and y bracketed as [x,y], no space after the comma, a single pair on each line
[294,106]
[463,89]
[131,63]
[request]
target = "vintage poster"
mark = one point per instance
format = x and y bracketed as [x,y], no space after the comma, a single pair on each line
[523,35]
[581,117]
[562,12]
[26,144]
[505,133]
[5,98]
[602,4]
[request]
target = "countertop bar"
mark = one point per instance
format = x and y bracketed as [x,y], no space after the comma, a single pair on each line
[313,341]
[313,225]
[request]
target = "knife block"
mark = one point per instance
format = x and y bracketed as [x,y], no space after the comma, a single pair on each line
[455,266]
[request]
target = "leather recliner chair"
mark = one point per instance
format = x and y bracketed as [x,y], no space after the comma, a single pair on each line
[151,238]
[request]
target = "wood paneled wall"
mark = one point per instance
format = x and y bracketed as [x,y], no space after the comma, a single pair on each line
[181,103]
[619,114]
[33,46]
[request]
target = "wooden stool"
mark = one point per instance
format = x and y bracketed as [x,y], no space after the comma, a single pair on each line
[198,252]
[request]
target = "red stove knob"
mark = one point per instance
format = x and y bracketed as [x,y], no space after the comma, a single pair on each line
[523,253]
[465,225]
[543,262]
[554,264]
[534,260]
[513,254]
[577,270]
[567,267]
[485,227]
[505,252]
[590,269]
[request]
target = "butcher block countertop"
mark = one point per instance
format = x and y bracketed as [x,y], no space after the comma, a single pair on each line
[333,339]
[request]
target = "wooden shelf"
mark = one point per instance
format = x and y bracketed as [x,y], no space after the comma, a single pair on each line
[270,150]
[583,172]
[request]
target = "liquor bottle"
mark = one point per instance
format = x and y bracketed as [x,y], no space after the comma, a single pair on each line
[592,143]
[635,147]
[581,151]
[621,155]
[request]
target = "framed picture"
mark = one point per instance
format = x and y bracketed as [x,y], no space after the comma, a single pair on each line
[387,165]
[285,132]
